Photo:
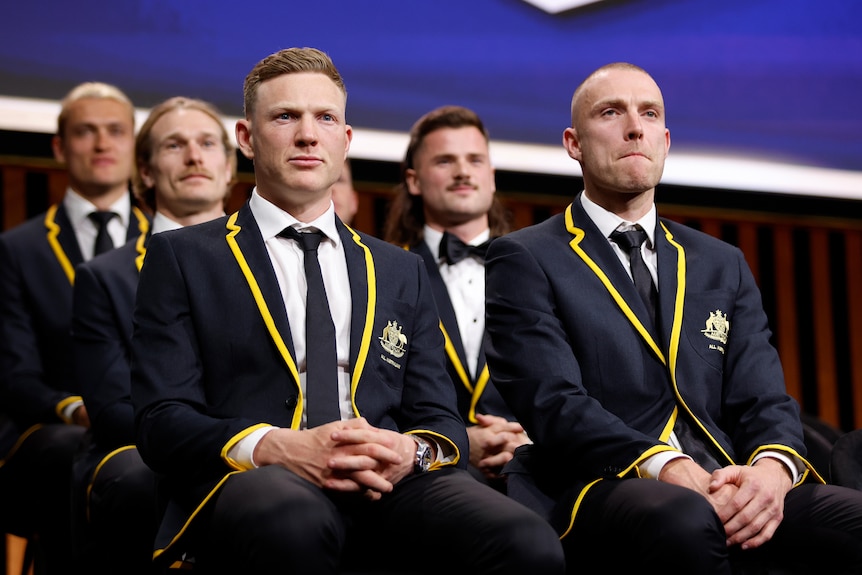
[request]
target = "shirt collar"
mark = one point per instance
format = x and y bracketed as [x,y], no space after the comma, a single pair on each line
[271,219]
[162,223]
[608,222]
[78,207]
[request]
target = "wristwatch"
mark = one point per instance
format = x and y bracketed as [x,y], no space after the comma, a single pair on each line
[422,462]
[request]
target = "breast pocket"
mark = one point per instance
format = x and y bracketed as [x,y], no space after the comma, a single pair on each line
[708,325]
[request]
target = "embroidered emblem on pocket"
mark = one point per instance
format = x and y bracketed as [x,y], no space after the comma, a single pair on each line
[393,341]
[717,328]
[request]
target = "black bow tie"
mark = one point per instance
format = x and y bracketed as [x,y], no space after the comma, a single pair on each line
[454,250]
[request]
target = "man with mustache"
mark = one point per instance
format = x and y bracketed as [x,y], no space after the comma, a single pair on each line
[43,416]
[636,353]
[447,198]
[186,163]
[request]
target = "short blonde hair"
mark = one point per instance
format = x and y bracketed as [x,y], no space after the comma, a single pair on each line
[95,90]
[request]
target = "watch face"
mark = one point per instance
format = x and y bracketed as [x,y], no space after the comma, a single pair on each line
[423,457]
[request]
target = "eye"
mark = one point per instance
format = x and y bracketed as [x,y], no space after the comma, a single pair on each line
[285,116]
[328,118]
[209,143]
[651,114]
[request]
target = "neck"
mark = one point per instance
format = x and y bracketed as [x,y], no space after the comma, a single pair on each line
[629,206]
[197,217]
[464,231]
[102,198]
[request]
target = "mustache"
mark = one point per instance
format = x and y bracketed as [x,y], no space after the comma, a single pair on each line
[196,172]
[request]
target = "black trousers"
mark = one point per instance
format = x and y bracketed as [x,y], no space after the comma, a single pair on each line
[632,525]
[115,513]
[270,520]
[35,493]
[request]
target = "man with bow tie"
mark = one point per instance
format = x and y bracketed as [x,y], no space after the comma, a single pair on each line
[446,211]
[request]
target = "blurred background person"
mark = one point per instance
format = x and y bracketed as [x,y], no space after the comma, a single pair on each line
[186,163]
[43,415]
[446,210]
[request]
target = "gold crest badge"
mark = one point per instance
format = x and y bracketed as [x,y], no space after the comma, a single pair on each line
[717,326]
[393,341]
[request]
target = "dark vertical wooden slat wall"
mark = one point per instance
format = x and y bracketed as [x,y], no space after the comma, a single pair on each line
[818,335]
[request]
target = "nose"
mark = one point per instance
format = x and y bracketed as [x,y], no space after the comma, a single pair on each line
[634,128]
[306,132]
[193,153]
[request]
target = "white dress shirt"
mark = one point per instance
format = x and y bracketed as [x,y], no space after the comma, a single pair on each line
[465,282]
[78,208]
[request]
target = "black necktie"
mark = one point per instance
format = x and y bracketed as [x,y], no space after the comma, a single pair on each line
[321,363]
[454,250]
[103,238]
[631,242]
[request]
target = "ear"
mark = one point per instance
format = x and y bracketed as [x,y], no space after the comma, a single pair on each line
[57,147]
[243,138]
[572,143]
[146,175]
[412,182]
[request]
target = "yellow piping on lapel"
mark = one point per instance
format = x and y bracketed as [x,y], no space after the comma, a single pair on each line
[27,433]
[477,393]
[621,302]
[675,333]
[265,314]
[371,279]
[143,227]
[53,232]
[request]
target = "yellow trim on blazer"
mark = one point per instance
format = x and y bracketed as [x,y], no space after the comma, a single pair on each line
[481,383]
[30,430]
[370,309]
[621,302]
[264,312]
[233,463]
[62,258]
[143,227]
[809,469]
[96,471]
[53,232]
[439,438]
[64,404]
[194,514]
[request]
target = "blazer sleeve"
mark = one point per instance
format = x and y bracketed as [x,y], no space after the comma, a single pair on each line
[25,395]
[173,429]
[101,360]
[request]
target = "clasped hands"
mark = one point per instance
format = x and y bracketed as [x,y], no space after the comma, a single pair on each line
[349,456]
[749,500]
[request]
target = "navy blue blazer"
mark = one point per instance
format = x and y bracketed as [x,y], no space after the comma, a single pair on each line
[213,359]
[476,391]
[597,387]
[38,260]
[102,305]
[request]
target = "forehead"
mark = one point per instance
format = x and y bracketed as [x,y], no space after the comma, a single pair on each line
[185,121]
[464,140]
[300,90]
[98,111]
[623,85]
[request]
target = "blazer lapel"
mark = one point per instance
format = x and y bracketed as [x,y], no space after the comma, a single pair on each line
[139,225]
[62,240]
[448,321]
[672,267]
[593,248]
[363,294]
[249,252]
